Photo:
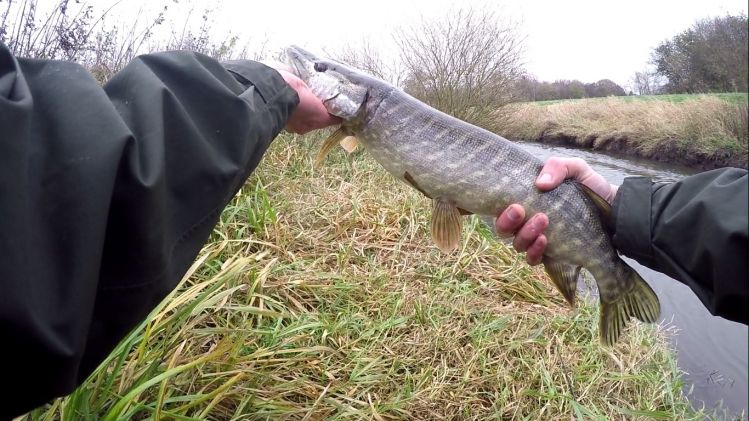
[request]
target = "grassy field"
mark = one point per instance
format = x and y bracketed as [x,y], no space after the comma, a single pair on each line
[731,97]
[320,296]
[703,131]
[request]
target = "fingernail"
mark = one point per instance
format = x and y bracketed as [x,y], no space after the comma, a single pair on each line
[513,215]
[544,178]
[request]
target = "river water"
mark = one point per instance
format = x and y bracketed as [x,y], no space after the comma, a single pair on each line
[711,351]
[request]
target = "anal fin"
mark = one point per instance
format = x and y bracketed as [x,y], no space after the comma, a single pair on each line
[446,225]
[564,276]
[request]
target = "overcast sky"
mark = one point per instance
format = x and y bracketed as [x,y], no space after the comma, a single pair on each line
[586,40]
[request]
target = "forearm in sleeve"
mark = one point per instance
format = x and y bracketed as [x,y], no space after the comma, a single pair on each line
[694,230]
[107,196]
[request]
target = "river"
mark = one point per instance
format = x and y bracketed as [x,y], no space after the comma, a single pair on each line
[711,351]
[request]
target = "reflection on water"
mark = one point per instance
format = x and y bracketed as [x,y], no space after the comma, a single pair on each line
[614,168]
[711,351]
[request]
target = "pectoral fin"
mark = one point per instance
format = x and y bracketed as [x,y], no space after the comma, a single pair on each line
[564,276]
[349,143]
[446,225]
[329,143]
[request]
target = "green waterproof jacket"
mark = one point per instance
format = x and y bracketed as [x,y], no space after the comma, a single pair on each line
[694,230]
[108,194]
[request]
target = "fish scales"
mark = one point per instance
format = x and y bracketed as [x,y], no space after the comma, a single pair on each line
[491,173]
[466,169]
[446,156]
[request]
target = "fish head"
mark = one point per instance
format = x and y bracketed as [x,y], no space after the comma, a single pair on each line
[345,91]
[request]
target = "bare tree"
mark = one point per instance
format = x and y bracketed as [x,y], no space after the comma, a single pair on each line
[367,57]
[646,83]
[74,31]
[641,83]
[465,64]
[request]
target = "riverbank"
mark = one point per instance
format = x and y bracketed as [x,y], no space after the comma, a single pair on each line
[700,131]
[320,295]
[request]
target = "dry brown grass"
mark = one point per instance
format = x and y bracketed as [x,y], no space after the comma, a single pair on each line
[701,131]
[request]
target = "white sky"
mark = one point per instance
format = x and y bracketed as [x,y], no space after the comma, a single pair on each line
[586,40]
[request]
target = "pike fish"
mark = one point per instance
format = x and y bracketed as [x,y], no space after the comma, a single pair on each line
[466,170]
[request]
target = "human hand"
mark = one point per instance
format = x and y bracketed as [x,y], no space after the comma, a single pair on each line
[310,114]
[529,235]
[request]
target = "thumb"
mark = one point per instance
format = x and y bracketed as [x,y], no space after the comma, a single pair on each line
[556,170]
[553,173]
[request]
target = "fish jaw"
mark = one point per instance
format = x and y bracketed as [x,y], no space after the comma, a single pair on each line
[301,61]
[345,91]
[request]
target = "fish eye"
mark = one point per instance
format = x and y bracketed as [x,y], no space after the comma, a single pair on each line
[321,67]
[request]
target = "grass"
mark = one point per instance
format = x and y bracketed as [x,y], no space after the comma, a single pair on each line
[731,97]
[320,296]
[703,131]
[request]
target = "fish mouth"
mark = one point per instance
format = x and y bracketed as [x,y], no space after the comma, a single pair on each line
[300,60]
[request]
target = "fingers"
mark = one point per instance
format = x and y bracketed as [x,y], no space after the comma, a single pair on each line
[510,220]
[530,231]
[310,114]
[535,252]
[529,236]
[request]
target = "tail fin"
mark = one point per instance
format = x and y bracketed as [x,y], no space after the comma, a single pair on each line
[639,302]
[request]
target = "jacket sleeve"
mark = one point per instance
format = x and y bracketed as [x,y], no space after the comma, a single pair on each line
[108,194]
[694,230]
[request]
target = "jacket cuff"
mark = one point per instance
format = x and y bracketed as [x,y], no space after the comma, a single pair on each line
[266,80]
[632,224]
